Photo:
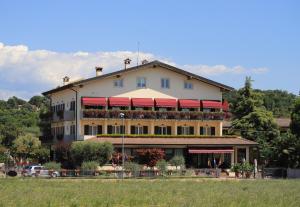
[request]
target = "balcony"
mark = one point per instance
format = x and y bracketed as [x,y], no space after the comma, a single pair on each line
[176,115]
[63,116]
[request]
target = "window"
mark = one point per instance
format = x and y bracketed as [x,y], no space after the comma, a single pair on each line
[209,131]
[165,83]
[115,129]
[141,82]
[162,130]
[185,130]
[72,129]
[92,130]
[118,83]
[139,129]
[72,106]
[188,85]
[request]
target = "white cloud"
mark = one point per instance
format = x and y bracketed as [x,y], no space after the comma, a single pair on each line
[207,70]
[19,64]
[5,94]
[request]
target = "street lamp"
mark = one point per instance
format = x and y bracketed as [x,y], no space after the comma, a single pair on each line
[122,115]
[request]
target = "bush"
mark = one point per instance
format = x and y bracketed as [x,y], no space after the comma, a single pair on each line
[236,167]
[89,165]
[177,161]
[52,166]
[162,165]
[91,151]
[150,156]
[132,167]
[247,167]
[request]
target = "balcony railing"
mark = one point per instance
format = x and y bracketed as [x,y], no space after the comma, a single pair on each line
[178,115]
[63,115]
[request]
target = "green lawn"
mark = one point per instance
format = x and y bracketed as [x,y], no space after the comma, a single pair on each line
[169,192]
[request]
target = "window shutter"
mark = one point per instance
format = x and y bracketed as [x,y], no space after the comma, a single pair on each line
[169,130]
[99,129]
[122,129]
[201,131]
[157,130]
[132,129]
[86,129]
[179,130]
[191,130]
[109,129]
[213,131]
[145,129]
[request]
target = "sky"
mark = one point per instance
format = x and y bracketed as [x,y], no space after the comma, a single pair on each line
[43,41]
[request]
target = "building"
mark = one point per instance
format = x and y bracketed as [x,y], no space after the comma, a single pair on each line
[163,107]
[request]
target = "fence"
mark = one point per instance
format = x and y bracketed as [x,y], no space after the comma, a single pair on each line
[293,173]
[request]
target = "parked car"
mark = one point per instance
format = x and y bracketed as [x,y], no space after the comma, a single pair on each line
[39,171]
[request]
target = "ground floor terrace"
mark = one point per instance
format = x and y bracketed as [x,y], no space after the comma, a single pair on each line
[199,152]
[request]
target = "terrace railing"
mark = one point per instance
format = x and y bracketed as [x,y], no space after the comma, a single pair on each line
[131,114]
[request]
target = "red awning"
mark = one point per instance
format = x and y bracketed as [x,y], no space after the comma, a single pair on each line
[93,101]
[225,106]
[118,101]
[210,151]
[189,103]
[142,102]
[212,104]
[165,102]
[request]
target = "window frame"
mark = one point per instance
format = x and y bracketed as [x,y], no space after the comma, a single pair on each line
[118,83]
[188,85]
[165,83]
[140,84]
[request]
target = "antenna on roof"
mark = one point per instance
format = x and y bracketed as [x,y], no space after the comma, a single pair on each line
[137,59]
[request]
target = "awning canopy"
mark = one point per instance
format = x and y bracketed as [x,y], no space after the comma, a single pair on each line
[118,101]
[166,102]
[225,106]
[212,104]
[189,103]
[142,102]
[210,151]
[93,101]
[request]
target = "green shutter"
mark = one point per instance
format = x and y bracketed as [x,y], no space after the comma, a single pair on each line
[145,129]
[169,132]
[109,129]
[179,130]
[191,130]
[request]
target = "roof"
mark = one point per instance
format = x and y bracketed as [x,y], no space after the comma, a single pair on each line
[153,64]
[206,141]
[281,122]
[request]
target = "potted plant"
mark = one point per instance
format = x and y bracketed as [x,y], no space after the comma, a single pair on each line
[247,168]
[236,168]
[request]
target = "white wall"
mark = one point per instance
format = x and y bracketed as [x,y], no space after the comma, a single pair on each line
[65,97]
[105,88]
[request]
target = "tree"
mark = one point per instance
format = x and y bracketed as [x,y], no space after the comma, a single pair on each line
[150,157]
[252,121]
[26,146]
[177,161]
[247,100]
[91,151]
[295,119]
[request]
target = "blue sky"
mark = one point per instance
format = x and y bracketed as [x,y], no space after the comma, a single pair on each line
[41,41]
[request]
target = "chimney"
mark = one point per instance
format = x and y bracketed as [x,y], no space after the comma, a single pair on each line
[66,80]
[98,71]
[144,62]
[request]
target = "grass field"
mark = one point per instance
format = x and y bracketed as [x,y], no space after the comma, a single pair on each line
[169,192]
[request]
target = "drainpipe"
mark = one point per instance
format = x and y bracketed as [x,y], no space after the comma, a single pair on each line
[76,119]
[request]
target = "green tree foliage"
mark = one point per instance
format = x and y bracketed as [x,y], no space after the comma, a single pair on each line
[295,119]
[287,151]
[89,165]
[26,146]
[252,121]
[177,161]
[52,166]
[162,166]
[277,101]
[91,151]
